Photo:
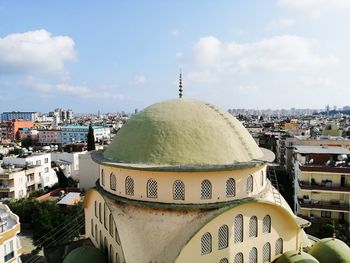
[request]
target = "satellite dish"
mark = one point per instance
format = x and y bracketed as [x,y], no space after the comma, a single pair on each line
[311,161]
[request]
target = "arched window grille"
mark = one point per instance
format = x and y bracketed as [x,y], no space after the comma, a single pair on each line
[238,229]
[152,188]
[206,243]
[105,215]
[253,255]
[111,225]
[238,258]
[279,247]
[224,260]
[266,252]
[267,224]
[102,177]
[230,187]
[92,227]
[99,212]
[253,226]
[113,182]
[206,189]
[249,184]
[129,186]
[178,190]
[223,237]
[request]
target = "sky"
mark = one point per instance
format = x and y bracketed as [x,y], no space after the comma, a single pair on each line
[121,55]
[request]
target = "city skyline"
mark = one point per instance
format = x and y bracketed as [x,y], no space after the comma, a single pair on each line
[121,56]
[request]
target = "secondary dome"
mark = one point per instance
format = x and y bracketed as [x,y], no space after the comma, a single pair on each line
[85,255]
[183,132]
[330,250]
[296,257]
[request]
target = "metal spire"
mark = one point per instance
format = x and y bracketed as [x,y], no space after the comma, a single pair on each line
[180,85]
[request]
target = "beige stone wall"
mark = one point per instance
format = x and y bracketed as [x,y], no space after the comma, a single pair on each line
[192,182]
[283,226]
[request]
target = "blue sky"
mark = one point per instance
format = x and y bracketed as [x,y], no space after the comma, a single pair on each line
[122,55]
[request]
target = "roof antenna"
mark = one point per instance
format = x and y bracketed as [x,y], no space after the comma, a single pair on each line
[180,85]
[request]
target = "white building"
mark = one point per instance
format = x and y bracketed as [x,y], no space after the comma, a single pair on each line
[71,134]
[71,160]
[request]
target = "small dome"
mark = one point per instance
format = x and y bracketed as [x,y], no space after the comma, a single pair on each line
[85,255]
[330,250]
[293,256]
[183,132]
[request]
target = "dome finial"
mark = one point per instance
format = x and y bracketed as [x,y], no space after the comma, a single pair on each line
[180,85]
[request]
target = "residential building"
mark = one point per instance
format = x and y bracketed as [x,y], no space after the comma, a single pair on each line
[49,137]
[13,182]
[88,171]
[10,246]
[322,182]
[10,129]
[28,116]
[72,134]
[70,160]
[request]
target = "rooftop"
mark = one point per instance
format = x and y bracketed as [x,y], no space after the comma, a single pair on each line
[321,150]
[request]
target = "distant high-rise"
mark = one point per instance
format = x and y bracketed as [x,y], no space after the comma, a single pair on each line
[24,115]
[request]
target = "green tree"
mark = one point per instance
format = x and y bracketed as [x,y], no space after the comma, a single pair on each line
[90,139]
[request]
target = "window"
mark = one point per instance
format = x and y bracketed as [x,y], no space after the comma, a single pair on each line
[92,227]
[206,189]
[46,169]
[279,247]
[249,184]
[238,258]
[262,178]
[102,177]
[96,209]
[105,211]
[38,162]
[46,160]
[253,255]
[223,237]
[238,229]
[179,190]
[224,260]
[206,243]
[111,225]
[230,187]
[266,252]
[152,188]
[9,253]
[327,214]
[96,233]
[113,182]
[253,226]
[129,186]
[267,224]
[99,212]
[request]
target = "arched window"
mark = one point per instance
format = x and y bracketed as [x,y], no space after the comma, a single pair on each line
[111,254]
[224,260]
[101,241]
[262,178]
[129,186]
[92,227]
[230,187]
[105,211]
[253,255]
[96,233]
[96,209]
[111,225]
[206,189]
[249,184]
[267,224]
[279,247]
[238,229]
[113,182]
[178,190]
[152,188]
[238,258]
[99,212]
[206,243]
[102,177]
[253,226]
[266,252]
[223,237]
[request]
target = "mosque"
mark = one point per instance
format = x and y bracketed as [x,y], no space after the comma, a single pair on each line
[184,182]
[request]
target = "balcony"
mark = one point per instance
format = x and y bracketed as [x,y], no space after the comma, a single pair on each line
[325,186]
[324,168]
[6,188]
[335,205]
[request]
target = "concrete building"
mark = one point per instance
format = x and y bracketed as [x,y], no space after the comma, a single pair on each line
[28,116]
[322,182]
[71,159]
[72,134]
[10,129]
[10,246]
[183,181]
[88,172]
[44,176]
[49,137]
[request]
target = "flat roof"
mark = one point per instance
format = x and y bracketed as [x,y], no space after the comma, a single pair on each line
[69,198]
[321,149]
[82,127]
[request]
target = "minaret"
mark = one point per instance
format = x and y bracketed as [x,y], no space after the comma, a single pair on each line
[180,85]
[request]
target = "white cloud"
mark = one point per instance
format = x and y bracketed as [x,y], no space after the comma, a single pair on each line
[138,79]
[175,33]
[35,51]
[201,77]
[279,53]
[280,24]
[315,7]
[248,89]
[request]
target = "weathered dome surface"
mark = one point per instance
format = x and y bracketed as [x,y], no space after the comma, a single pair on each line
[85,255]
[183,132]
[330,250]
[293,256]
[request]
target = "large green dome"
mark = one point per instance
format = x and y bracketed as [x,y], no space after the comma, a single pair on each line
[85,255]
[330,250]
[294,256]
[183,132]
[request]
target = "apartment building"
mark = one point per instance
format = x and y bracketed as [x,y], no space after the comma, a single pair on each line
[10,129]
[49,136]
[322,182]
[28,115]
[71,134]
[10,246]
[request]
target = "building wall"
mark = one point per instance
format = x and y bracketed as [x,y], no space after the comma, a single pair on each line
[48,137]
[89,171]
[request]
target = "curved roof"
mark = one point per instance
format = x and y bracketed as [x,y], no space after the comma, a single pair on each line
[330,250]
[183,132]
[293,256]
[85,255]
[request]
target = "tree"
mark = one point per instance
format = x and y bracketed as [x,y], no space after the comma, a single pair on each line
[90,139]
